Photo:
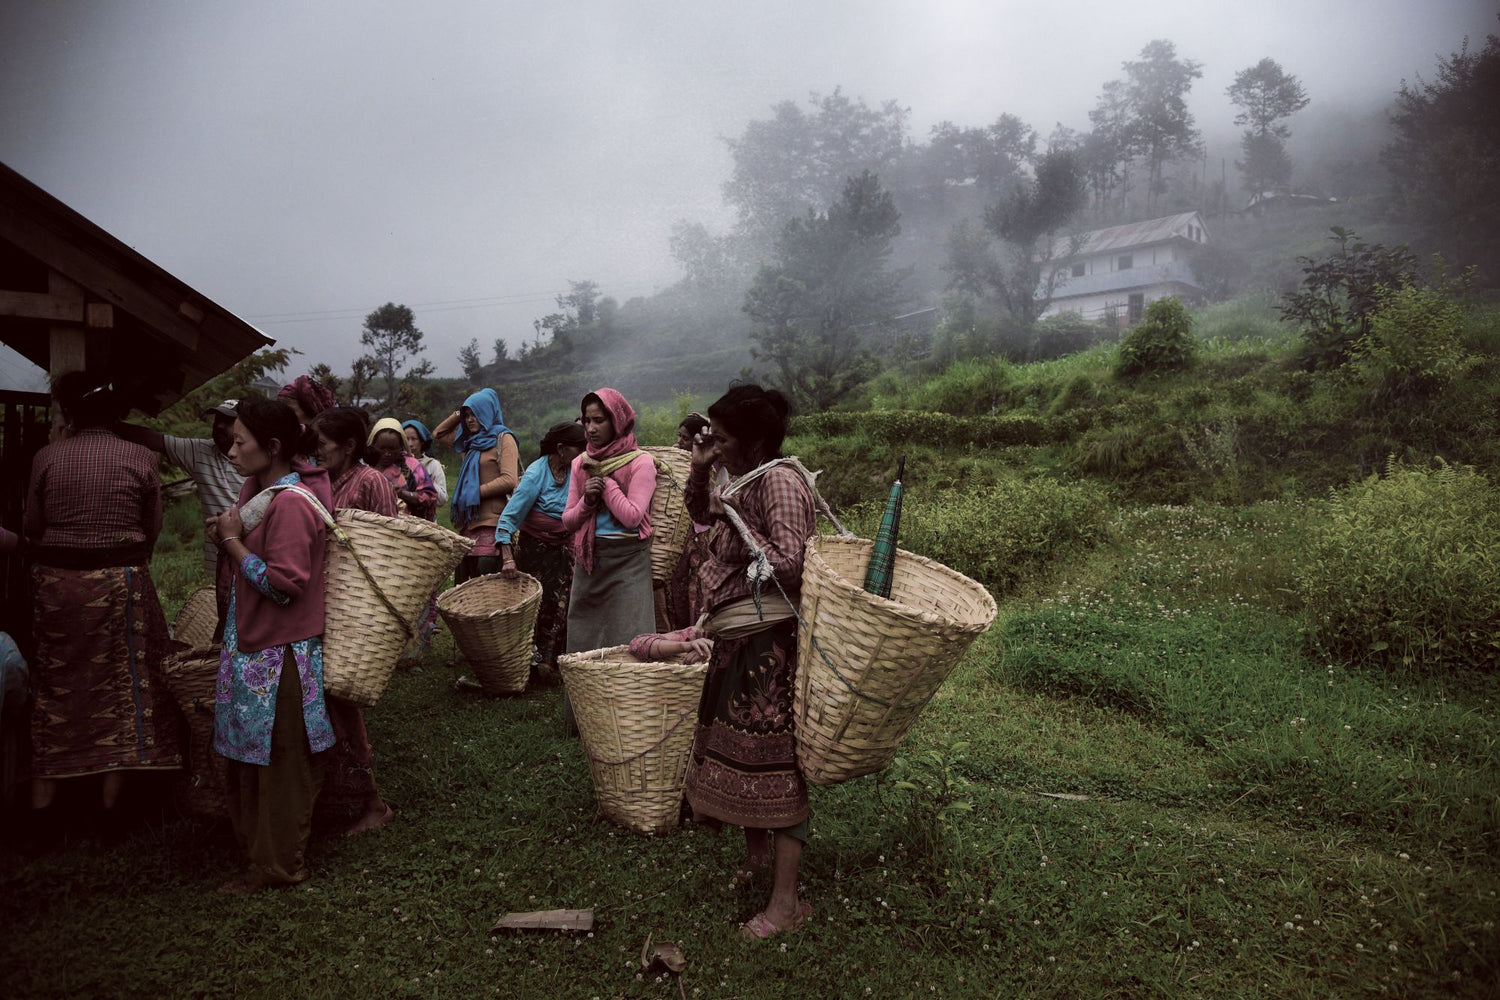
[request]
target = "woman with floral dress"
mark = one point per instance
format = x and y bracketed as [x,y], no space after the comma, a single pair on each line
[270,721]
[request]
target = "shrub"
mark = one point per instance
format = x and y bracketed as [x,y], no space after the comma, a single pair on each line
[1414,345]
[998,533]
[1407,569]
[1340,294]
[1163,341]
[898,427]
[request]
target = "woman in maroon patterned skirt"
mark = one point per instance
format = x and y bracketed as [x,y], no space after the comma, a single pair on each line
[744,764]
[92,516]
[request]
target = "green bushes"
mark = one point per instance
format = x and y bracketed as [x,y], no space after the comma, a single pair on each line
[1162,342]
[1407,569]
[998,533]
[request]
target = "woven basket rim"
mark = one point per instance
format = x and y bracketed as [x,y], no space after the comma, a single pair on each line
[533,589]
[852,591]
[619,656]
[417,527]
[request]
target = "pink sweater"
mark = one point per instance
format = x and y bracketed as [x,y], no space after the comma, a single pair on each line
[290,539]
[627,495]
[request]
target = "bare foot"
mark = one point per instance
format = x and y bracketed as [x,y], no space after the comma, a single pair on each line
[373,819]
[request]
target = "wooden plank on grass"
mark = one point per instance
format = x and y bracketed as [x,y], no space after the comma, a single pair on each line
[546,920]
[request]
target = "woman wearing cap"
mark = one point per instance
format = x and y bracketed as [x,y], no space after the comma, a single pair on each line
[609,520]
[491,469]
[407,477]
[93,513]
[418,440]
[532,538]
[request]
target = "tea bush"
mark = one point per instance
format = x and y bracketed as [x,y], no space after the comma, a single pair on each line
[1000,532]
[1407,569]
[1162,342]
[915,426]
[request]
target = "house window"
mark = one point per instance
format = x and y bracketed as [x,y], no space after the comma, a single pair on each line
[1077,270]
[1123,262]
[1137,308]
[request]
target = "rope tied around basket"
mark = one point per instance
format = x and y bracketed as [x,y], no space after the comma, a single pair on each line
[760,570]
[637,756]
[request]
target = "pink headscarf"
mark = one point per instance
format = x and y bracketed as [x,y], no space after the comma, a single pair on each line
[621,415]
[309,394]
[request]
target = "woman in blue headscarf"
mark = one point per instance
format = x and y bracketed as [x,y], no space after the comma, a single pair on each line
[490,471]
[418,440]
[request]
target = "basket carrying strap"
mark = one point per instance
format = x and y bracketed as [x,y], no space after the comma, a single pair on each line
[342,537]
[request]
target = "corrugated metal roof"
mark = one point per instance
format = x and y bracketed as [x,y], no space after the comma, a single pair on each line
[1132,235]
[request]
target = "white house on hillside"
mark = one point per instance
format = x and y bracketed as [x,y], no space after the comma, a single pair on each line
[1118,271]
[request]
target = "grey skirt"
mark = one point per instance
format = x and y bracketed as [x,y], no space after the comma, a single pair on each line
[613,604]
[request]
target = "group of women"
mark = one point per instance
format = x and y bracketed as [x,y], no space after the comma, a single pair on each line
[577,518]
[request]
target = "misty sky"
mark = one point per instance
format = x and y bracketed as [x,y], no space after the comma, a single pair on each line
[303,162]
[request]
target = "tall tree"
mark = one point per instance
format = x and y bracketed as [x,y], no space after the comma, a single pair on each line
[1444,156]
[829,289]
[1028,220]
[468,358]
[797,161]
[393,339]
[502,351]
[1156,89]
[581,302]
[1266,95]
[325,377]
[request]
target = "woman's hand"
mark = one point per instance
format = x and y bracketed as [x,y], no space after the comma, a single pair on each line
[228,525]
[698,651]
[704,450]
[508,563]
[718,503]
[593,490]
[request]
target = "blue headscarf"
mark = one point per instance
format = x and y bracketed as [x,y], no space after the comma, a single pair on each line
[422,432]
[485,405]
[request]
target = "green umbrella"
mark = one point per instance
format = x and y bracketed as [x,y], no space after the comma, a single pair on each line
[883,555]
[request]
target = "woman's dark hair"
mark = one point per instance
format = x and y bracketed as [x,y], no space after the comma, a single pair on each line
[271,419]
[752,414]
[344,424]
[88,400]
[565,433]
[694,424]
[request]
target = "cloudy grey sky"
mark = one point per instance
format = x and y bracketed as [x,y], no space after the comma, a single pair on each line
[302,162]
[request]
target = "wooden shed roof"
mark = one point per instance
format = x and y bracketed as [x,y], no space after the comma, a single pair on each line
[164,338]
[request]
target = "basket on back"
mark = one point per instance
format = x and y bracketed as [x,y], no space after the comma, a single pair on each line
[492,619]
[374,596]
[635,722]
[197,619]
[867,666]
[191,676]
[670,523]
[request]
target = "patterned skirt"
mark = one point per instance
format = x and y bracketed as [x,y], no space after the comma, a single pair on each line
[553,566]
[744,766]
[100,703]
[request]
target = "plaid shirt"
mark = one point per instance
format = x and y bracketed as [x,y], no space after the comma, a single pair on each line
[93,490]
[778,509]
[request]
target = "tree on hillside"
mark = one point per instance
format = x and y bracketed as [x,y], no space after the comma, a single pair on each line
[1444,157]
[1266,95]
[468,358]
[796,161]
[325,377]
[1023,275]
[581,302]
[990,157]
[1106,151]
[393,339]
[828,289]
[502,351]
[1156,89]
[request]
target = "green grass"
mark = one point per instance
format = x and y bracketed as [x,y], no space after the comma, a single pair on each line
[1243,821]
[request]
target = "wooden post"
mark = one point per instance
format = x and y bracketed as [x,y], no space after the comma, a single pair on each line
[66,350]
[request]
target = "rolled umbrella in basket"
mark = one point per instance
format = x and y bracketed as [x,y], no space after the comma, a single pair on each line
[492,620]
[883,554]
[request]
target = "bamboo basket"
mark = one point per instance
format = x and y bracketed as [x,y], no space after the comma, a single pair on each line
[197,619]
[635,722]
[670,522]
[492,620]
[375,595]
[191,677]
[866,665]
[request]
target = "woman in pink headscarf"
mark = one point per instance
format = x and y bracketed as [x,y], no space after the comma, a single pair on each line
[307,397]
[608,514]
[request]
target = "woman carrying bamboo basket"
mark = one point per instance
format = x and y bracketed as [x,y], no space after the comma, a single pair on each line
[744,764]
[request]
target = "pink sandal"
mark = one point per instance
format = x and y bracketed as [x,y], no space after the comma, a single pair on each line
[759,927]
